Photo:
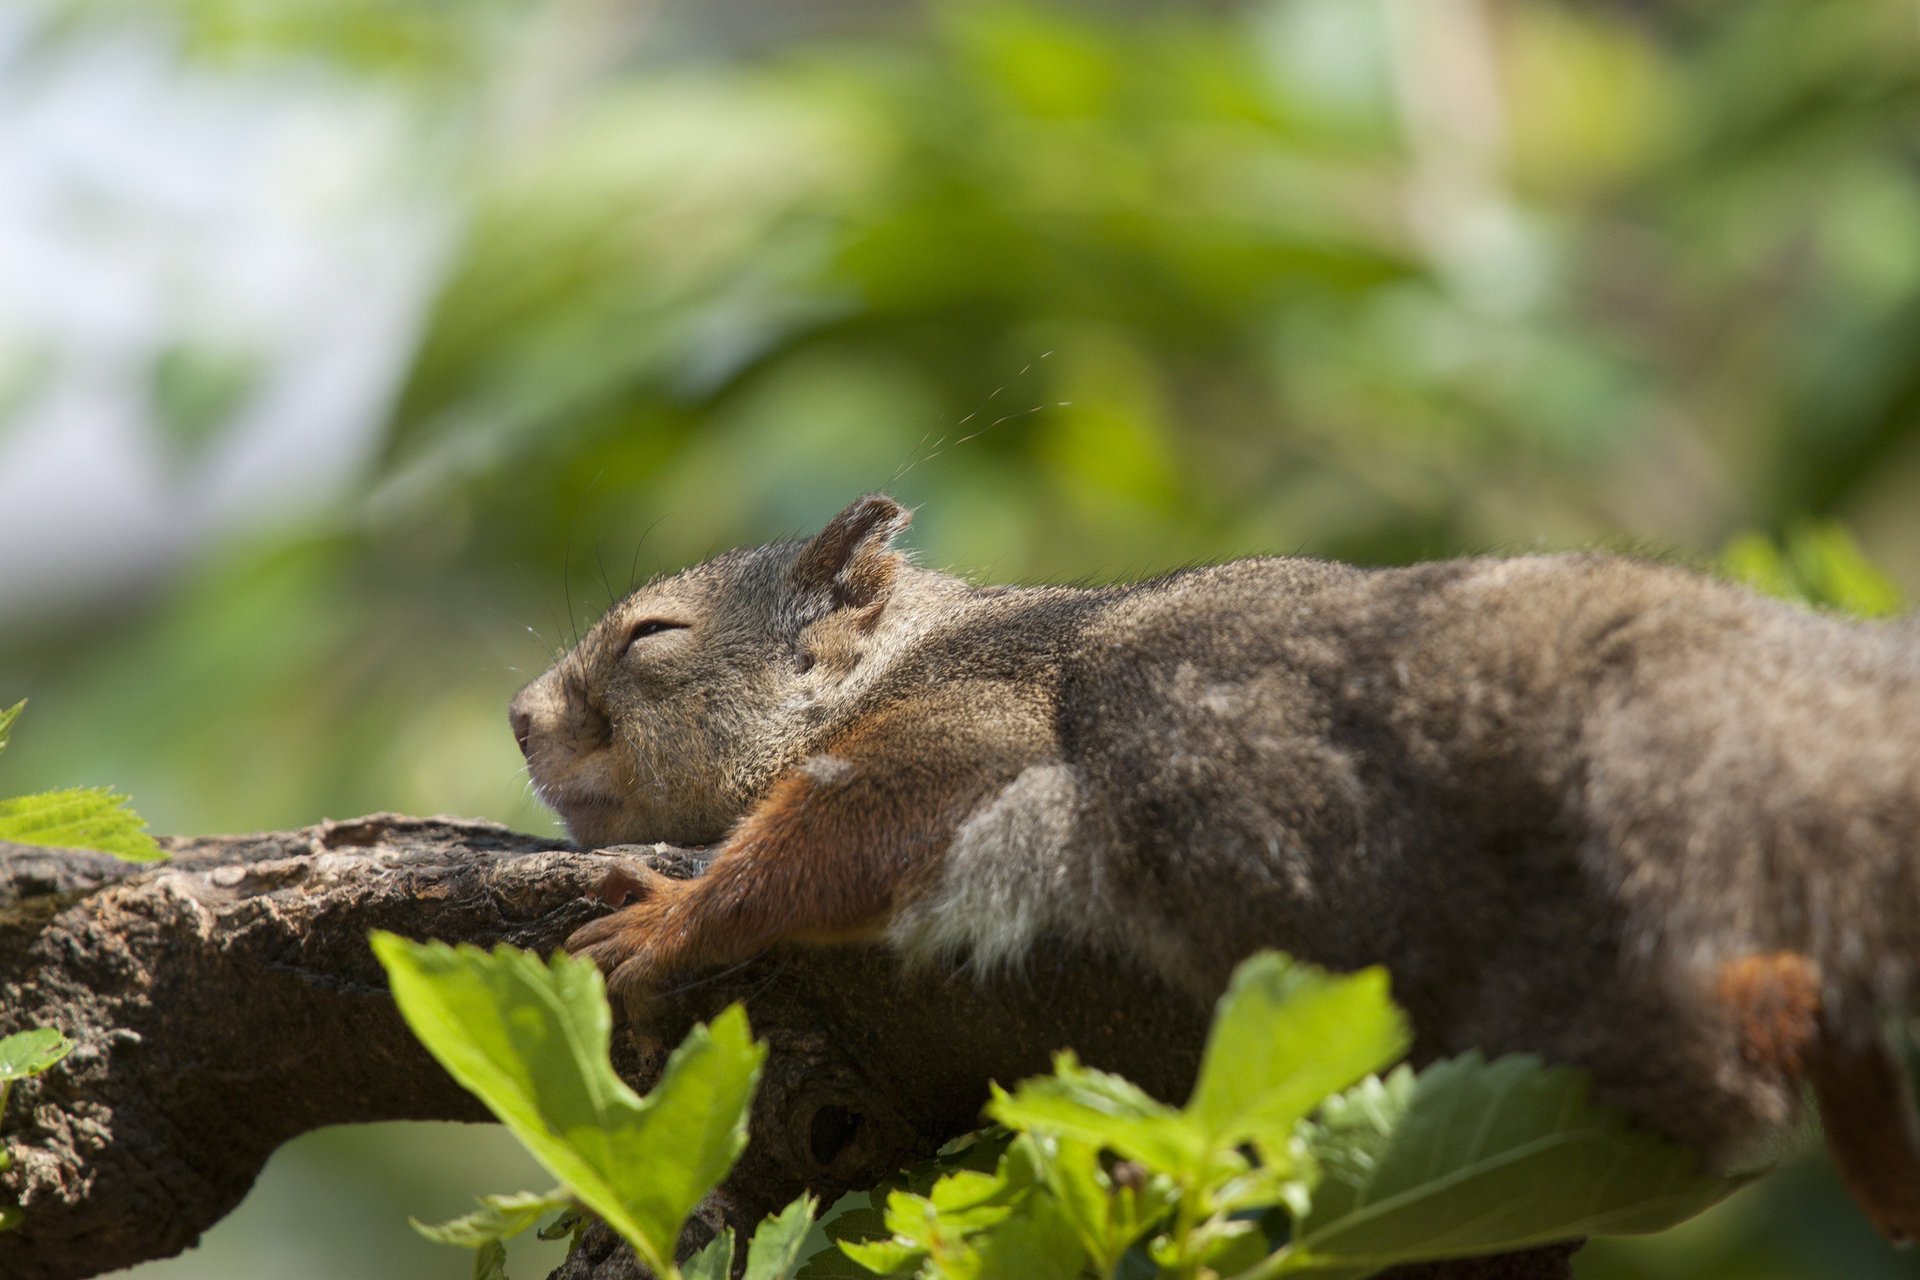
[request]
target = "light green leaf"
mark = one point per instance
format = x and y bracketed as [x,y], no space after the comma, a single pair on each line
[883,1257]
[1471,1157]
[1106,1110]
[79,818]
[1037,1243]
[1107,1218]
[1286,1035]
[498,1218]
[530,1040]
[7,718]
[940,1228]
[712,1262]
[1073,1173]
[28,1053]
[490,1261]
[774,1252]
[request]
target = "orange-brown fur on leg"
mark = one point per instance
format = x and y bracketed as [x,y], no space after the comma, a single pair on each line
[1774,998]
[828,856]
[1865,1098]
[1866,1104]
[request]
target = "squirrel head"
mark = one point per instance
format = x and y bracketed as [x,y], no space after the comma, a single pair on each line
[674,714]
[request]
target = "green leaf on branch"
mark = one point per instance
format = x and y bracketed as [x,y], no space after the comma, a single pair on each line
[1037,1243]
[1285,1037]
[1472,1157]
[79,818]
[28,1053]
[1107,1214]
[713,1261]
[772,1254]
[490,1261]
[975,1225]
[498,1218]
[530,1040]
[774,1251]
[1105,1110]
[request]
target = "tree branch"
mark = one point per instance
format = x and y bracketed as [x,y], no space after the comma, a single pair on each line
[226,1001]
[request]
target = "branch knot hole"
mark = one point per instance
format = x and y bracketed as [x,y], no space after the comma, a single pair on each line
[834,1139]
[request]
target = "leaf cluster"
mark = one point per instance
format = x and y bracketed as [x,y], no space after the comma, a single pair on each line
[1294,1155]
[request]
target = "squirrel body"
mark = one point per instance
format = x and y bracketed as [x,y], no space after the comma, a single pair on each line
[1615,813]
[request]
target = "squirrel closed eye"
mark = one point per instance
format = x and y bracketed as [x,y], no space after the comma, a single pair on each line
[650,627]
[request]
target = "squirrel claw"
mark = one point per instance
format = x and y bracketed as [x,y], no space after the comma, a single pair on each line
[623,885]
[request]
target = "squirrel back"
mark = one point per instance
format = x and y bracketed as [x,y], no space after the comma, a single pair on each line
[1615,813]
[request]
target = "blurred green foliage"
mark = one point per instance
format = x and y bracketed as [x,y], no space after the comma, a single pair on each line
[1103,289]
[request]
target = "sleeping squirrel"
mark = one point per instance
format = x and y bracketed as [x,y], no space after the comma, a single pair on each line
[1615,813]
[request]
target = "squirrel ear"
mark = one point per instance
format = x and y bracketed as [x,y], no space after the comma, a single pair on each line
[849,558]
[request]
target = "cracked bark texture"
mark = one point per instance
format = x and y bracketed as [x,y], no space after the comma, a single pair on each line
[226,1001]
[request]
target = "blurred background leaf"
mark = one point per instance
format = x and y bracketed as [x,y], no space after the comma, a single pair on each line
[353,355]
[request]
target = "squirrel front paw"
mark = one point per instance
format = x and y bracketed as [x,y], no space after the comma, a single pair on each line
[638,946]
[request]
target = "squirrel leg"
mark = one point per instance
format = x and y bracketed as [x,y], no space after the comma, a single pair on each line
[826,857]
[1866,1104]
[1865,1098]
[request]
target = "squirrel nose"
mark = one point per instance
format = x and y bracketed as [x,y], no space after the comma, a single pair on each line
[522,727]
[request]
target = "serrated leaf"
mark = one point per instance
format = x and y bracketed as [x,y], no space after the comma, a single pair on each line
[79,818]
[774,1251]
[1471,1157]
[498,1218]
[28,1053]
[7,718]
[1285,1036]
[1093,1106]
[530,1040]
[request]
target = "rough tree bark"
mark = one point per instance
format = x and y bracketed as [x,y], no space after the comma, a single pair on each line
[226,1001]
